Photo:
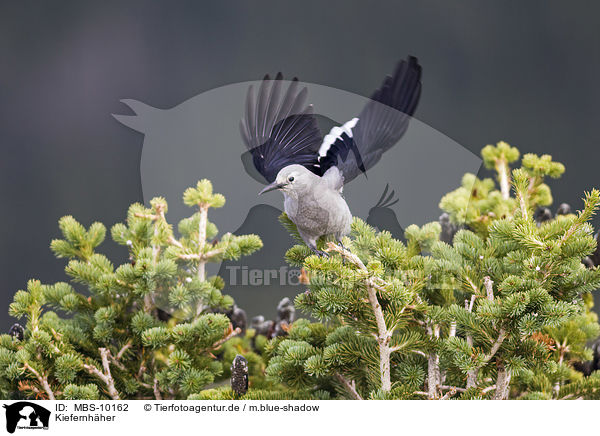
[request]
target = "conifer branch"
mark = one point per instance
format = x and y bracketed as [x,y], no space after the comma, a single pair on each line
[503,174]
[43,379]
[383,336]
[489,289]
[105,376]
[449,394]
[156,390]
[452,332]
[232,332]
[124,349]
[201,267]
[455,388]
[495,346]
[489,388]
[502,383]
[350,387]
[434,376]
[202,223]
[472,374]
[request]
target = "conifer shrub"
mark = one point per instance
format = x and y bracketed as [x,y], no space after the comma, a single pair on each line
[490,302]
[143,329]
[503,311]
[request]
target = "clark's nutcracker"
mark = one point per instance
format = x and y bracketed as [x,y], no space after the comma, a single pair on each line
[287,148]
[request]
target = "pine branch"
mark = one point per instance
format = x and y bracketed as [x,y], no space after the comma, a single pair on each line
[454,388]
[156,390]
[472,374]
[434,376]
[502,383]
[43,379]
[384,336]
[202,223]
[489,290]
[105,376]
[495,346]
[233,332]
[124,349]
[503,173]
[350,387]
[449,394]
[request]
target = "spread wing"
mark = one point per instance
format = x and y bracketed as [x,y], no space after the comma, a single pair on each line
[280,129]
[358,145]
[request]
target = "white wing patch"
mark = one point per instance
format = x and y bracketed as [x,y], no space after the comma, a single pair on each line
[336,133]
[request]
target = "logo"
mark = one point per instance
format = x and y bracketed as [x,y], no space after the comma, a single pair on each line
[26,415]
[199,138]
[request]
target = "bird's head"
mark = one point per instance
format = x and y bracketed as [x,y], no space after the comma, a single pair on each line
[291,180]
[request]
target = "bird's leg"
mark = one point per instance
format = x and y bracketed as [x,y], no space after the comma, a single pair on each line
[315,250]
[341,244]
[311,242]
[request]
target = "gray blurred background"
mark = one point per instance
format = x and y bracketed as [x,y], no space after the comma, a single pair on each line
[523,73]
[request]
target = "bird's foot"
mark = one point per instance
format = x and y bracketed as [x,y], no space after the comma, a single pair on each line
[319,253]
[341,244]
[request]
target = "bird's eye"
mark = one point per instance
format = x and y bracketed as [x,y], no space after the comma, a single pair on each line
[291,178]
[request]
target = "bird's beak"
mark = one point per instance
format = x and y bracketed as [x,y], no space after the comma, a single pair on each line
[272,187]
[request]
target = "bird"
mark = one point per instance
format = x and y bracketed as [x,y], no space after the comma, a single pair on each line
[280,131]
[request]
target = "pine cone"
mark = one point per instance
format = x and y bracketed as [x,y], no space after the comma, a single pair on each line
[239,375]
[17,331]
[261,326]
[238,318]
[563,209]
[286,311]
[448,229]
[542,215]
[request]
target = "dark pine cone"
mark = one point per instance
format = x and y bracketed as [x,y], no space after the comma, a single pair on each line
[449,229]
[17,331]
[593,260]
[237,317]
[239,375]
[541,215]
[286,311]
[261,326]
[595,256]
[563,209]
[591,365]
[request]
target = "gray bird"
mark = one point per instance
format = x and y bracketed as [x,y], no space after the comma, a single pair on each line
[288,150]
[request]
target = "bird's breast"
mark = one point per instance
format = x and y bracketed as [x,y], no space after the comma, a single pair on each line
[319,213]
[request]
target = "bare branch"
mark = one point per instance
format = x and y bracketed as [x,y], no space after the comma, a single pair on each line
[125,348]
[452,332]
[157,394]
[489,388]
[455,388]
[496,345]
[488,283]
[231,334]
[43,379]
[350,387]
[383,336]
[105,376]
[502,383]
[449,394]
[503,175]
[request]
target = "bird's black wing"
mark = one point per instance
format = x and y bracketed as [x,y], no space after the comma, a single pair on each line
[279,129]
[380,124]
